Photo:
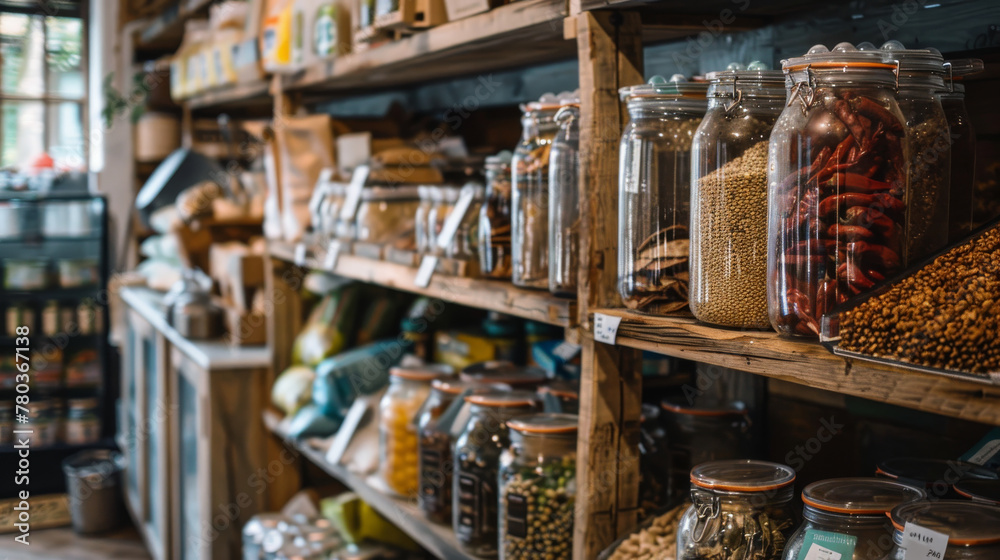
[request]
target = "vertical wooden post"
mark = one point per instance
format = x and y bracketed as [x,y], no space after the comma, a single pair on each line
[610,54]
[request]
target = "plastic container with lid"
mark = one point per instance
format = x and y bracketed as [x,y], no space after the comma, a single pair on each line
[837,173]
[530,194]
[385,214]
[739,509]
[476,467]
[538,488]
[701,433]
[983,491]
[564,200]
[654,194]
[935,476]
[408,389]
[961,207]
[494,218]
[848,517]
[729,196]
[505,373]
[973,529]
[921,77]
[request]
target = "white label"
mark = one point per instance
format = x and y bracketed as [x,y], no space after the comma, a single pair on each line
[986,453]
[353,196]
[455,218]
[566,351]
[606,328]
[332,255]
[920,543]
[817,552]
[427,266]
[300,254]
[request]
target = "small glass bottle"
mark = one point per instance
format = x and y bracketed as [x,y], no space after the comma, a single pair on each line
[654,195]
[848,516]
[494,218]
[973,529]
[564,201]
[538,488]
[477,463]
[408,389]
[736,505]
[530,201]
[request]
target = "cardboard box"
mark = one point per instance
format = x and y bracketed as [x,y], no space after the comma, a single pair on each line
[246,329]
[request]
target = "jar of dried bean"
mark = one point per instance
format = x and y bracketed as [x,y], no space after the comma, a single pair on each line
[837,185]
[494,218]
[408,389]
[963,148]
[848,516]
[972,530]
[436,461]
[564,201]
[740,510]
[477,463]
[538,488]
[654,194]
[729,197]
[921,76]
[530,204]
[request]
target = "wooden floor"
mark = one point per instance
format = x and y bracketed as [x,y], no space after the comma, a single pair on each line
[63,544]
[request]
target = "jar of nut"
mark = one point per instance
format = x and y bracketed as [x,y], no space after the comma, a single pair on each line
[408,389]
[654,194]
[729,196]
[538,488]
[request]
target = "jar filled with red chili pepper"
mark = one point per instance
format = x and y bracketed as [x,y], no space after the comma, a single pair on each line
[654,192]
[921,76]
[729,196]
[961,221]
[837,174]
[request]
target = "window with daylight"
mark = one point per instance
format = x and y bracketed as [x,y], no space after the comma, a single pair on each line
[42,90]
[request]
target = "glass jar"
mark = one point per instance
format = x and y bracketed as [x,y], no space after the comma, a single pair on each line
[436,461]
[476,470]
[494,218]
[654,194]
[538,488]
[935,476]
[565,393]
[848,516]
[530,202]
[962,220]
[982,491]
[698,434]
[442,203]
[836,197]
[385,214]
[739,510]
[427,195]
[564,201]
[973,529]
[83,425]
[505,373]
[408,389]
[729,197]
[464,246]
[921,77]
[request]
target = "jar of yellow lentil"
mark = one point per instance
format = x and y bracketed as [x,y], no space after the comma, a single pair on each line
[408,389]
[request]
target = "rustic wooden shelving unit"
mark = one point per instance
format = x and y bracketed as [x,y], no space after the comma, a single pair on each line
[606,36]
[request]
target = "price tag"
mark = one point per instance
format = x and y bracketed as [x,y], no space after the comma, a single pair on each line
[300,254]
[427,266]
[455,218]
[353,195]
[566,351]
[922,543]
[606,328]
[332,255]
[826,545]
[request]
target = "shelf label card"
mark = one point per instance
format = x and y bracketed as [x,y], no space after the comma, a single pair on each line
[825,545]
[566,351]
[922,543]
[454,219]
[332,255]
[426,271]
[606,328]
[986,453]
[353,195]
[300,254]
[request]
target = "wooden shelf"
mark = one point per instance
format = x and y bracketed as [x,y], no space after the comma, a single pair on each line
[808,363]
[494,295]
[439,540]
[166,30]
[255,93]
[517,34]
